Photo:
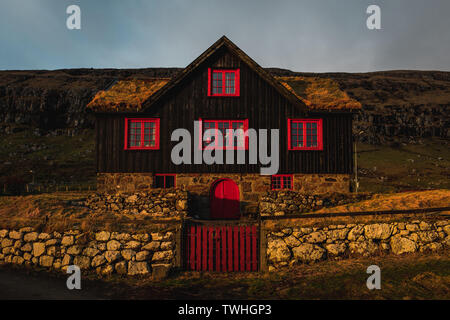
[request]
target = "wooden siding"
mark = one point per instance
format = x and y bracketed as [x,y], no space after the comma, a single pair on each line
[259,102]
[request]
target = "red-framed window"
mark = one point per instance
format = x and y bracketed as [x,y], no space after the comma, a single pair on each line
[231,139]
[282,181]
[165,180]
[141,134]
[305,134]
[223,83]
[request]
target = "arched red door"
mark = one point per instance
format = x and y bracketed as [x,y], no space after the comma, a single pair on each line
[225,200]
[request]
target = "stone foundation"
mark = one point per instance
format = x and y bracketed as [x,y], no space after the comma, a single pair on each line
[198,185]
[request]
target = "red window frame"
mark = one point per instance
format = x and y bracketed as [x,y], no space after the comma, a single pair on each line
[142,121]
[223,72]
[282,181]
[167,175]
[230,126]
[304,122]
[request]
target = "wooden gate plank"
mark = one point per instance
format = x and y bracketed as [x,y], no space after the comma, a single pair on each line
[204,247]
[247,248]
[242,249]
[191,239]
[199,248]
[224,249]
[254,249]
[211,247]
[236,248]
[217,248]
[230,248]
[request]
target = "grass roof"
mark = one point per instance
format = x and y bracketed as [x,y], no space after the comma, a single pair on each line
[316,93]
[126,95]
[319,93]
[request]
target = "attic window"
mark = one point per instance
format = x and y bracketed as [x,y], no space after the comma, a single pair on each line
[281,181]
[141,134]
[223,83]
[305,134]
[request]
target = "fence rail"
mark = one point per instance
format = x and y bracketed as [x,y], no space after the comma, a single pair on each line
[357,213]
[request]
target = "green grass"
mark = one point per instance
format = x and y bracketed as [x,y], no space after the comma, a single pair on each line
[58,159]
[404,167]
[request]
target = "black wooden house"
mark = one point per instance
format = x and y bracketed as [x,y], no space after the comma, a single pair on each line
[223,89]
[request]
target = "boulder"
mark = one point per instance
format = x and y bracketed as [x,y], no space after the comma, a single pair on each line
[162,255]
[292,241]
[46,261]
[316,237]
[402,245]
[380,231]
[67,241]
[15,235]
[307,252]
[365,248]
[112,256]
[128,254]
[38,249]
[102,236]
[278,251]
[160,271]
[137,268]
[142,256]
[30,237]
[336,249]
[121,267]
[113,245]
[82,262]
[98,261]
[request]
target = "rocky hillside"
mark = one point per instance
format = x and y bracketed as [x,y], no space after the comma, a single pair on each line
[398,106]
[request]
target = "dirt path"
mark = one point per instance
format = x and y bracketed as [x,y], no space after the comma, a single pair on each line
[415,276]
[21,284]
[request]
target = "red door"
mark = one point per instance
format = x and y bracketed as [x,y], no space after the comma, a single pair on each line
[225,200]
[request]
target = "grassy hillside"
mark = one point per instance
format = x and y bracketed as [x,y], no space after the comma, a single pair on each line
[404,167]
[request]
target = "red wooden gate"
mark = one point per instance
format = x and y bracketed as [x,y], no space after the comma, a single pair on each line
[222,248]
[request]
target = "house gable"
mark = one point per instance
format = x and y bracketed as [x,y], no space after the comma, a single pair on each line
[222,54]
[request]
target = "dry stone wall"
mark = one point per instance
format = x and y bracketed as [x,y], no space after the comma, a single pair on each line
[104,252]
[280,203]
[292,245]
[159,203]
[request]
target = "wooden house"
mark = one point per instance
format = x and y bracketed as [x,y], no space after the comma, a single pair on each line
[224,89]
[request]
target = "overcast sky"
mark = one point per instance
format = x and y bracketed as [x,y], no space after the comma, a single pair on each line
[301,35]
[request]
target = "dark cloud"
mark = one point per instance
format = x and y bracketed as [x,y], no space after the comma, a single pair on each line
[312,35]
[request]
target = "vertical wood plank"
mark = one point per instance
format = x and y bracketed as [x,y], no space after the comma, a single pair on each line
[242,248]
[236,248]
[254,249]
[211,247]
[205,248]
[191,239]
[230,248]
[247,248]
[217,249]
[224,249]
[199,248]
